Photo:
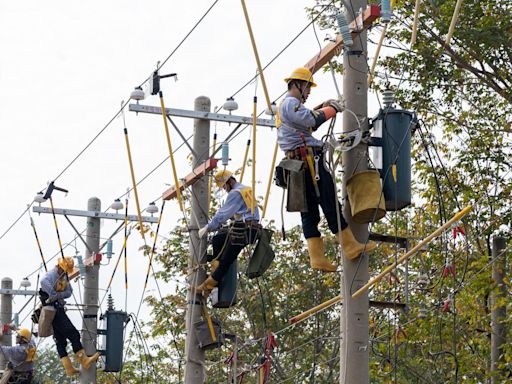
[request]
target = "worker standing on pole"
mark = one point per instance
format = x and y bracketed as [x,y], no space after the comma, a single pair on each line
[55,288]
[20,366]
[296,124]
[228,243]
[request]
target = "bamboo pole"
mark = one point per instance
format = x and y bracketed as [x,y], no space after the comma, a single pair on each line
[455,16]
[318,308]
[377,53]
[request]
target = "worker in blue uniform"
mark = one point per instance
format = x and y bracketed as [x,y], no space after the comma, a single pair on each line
[296,123]
[20,358]
[228,243]
[55,288]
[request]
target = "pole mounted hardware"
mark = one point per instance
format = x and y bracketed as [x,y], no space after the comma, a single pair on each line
[51,188]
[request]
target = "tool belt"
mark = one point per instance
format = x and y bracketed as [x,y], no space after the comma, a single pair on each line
[238,231]
[296,153]
[21,378]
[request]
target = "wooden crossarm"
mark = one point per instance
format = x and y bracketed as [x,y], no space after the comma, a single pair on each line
[191,178]
[334,48]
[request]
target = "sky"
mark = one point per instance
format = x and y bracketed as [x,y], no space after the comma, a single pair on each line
[65,68]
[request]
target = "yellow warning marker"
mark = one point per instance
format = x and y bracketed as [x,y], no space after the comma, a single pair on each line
[171,155]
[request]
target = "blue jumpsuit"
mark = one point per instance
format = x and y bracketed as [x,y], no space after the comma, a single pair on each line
[296,120]
[55,289]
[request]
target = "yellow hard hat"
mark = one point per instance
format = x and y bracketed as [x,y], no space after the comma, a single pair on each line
[222,177]
[24,333]
[303,74]
[66,264]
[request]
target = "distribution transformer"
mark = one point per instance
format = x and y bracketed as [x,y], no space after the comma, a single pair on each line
[113,338]
[390,152]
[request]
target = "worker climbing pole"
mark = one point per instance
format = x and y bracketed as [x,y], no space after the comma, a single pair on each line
[55,289]
[20,366]
[229,242]
[308,182]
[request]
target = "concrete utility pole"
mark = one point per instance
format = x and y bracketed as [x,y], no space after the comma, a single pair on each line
[5,316]
[194,368]
[498,311]
[354,357]
[91,285]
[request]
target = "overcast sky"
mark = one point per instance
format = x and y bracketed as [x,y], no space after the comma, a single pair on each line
[66,66]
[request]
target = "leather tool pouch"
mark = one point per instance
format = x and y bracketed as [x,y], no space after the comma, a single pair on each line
[290,174]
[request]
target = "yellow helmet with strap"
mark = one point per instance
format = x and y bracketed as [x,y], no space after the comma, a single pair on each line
[24,333]
[222,177]
[302,74]
[66,264]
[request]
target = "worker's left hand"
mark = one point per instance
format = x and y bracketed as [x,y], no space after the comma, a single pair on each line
[203,231]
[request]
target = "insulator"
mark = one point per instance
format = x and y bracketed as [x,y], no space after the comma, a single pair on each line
[110,302]
[385,11]
[39,198]
[117,205]
[273,111]
[225,154]
[25,283]
[230,105]
[344,30]
[81,266]
[152,208]
[137,94]
[109,248]
[388,98]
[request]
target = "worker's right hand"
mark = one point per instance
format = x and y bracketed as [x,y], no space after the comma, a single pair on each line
[334,104]
[203,231]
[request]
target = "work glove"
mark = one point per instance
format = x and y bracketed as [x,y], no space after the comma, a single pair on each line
[203,231]
[334,104]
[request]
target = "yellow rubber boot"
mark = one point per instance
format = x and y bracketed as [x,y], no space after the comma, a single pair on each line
[351,247]
[70,370]
[317,256]
[84,360]
[206,286]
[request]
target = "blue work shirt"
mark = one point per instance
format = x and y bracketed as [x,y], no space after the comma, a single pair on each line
[56,286]
[234,206]
[18,355]
[295,119]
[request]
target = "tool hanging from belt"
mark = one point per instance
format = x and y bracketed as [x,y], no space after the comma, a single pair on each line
[306,154]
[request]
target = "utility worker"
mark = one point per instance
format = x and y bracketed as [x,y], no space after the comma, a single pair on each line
[296,124]
[55,288]
[227,244]
[20,357]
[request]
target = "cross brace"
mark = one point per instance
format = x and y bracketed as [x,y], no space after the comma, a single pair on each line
[201,115]
[191,178]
